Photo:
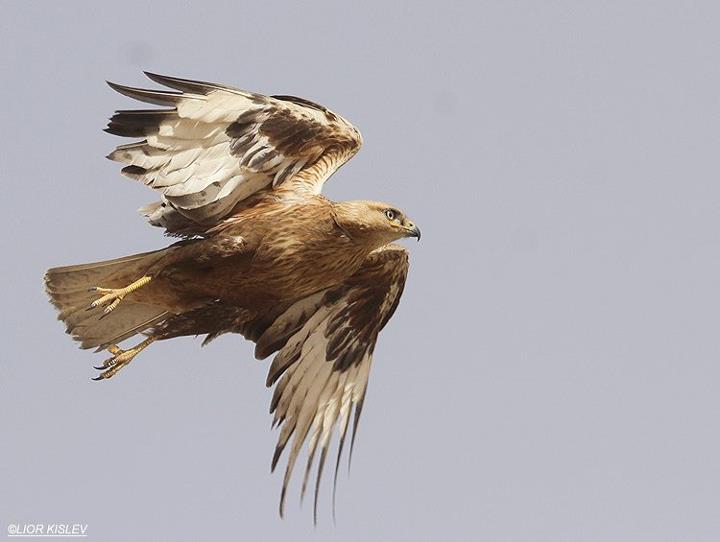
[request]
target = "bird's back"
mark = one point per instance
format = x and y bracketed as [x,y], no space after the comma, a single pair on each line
[297,249]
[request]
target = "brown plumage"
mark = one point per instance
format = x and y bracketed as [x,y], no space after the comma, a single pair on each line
[264,254]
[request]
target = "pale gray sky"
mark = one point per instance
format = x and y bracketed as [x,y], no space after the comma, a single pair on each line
[553,370]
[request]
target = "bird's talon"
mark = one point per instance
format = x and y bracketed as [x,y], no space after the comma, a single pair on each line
[120,358]
[114,296]
[108,362]
[111,307]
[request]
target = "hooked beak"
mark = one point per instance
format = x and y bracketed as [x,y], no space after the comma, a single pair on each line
[413,231]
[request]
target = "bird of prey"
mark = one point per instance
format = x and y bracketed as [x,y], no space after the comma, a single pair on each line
[262,253]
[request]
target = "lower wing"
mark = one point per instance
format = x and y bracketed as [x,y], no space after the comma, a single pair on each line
[324,348]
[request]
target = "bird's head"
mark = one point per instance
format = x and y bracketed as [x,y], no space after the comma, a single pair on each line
[374,223]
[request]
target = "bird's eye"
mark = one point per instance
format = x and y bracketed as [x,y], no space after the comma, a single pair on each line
[390,214]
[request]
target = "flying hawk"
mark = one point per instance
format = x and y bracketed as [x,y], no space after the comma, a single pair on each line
[262,253]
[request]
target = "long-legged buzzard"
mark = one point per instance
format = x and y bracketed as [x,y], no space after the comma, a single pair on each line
[262,254]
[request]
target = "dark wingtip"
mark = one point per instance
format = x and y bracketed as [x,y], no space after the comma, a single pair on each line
[154,76]
[321,464]
[341,445]
[115,86]
[281,508]
[156,97]
[276,457]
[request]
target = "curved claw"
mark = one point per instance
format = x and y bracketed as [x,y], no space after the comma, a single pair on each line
[120,358]
[110,362]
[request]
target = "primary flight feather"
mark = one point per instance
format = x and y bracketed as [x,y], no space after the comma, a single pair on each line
[263,253]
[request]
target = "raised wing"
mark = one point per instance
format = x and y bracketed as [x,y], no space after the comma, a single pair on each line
[215,147]
[325,345]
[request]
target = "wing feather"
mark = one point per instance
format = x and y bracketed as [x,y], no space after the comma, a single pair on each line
[325,345]
[218,145]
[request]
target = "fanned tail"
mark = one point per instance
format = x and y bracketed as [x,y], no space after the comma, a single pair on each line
[71,291]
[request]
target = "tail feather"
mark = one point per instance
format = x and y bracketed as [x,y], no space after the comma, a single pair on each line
[70,290]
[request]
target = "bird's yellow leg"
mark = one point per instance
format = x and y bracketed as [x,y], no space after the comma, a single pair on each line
[120,358]
[115,295]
